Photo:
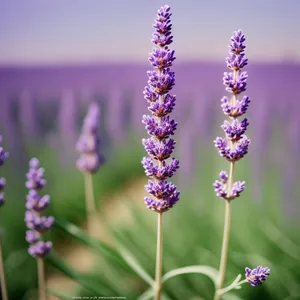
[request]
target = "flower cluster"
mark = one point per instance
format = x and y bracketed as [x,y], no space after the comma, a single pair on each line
[159,165]
[235,144]
[257,276]
[3,157]
[88,142]
[35,205]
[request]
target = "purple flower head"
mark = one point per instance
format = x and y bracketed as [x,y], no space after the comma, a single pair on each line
[40,249]
[35,205]
[35,179]
[162,35]
[88,144]
[235,144]
[160,164]
[3,156]
[257,276]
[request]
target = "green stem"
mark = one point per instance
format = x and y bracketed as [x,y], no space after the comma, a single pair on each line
[89,198]
[41,279]
[2,275]
[226,234]
[158,272]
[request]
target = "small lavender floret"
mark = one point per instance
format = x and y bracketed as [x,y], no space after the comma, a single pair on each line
[88,144]
[160,151]
[161,81]
[35,175]
[236,110]
[32,236]
[3,156]
[40,249]
[241,148]
[38,223]
[221,189]
[257,276]
[161,130]
[35,202]
[160,173]
[162,109]
[162,58]
[235,85]
[235,129]
[2,186]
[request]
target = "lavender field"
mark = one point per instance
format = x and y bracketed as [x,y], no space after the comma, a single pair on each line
[48,104]
[100,138]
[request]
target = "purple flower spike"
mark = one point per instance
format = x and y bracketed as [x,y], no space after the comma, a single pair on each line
[88,144]
[235,144]
[35,205]
[3,156]
[160,165]
[257,276]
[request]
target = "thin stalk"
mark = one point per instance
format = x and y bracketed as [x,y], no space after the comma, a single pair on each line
[158,272]
[226,235]
[2,275]
[89,198]
[41,279]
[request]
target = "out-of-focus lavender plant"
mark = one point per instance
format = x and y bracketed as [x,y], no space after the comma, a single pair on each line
[3,156]
[90,158]
[36,223]
[235,144]
[159,166]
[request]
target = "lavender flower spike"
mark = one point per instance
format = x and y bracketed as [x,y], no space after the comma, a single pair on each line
[88,142]
[3,157]
[257,276]
[234,146]
[35,205]
[159,166]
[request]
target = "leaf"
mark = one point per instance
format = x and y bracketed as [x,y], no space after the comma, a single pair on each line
[231,286]
[57,294]
[85,282]
[132,262]
[210,272]
[110,253]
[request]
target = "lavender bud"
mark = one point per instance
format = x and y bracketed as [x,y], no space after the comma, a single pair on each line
[257,276]
[89,142]
[160,165]
[40,249]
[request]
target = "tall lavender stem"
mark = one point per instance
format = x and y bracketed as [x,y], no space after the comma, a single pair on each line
[2,275]
[235,145]
[160,127]
[41,279]
[36,222]
[90,158]
[3,156]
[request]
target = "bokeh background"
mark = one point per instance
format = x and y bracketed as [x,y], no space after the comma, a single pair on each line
[58,56]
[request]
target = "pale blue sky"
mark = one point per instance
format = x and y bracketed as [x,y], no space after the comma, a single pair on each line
[77,31]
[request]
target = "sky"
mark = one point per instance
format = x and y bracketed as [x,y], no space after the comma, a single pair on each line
[35,32]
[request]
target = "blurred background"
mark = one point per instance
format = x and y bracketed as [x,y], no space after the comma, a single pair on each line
[58,56]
